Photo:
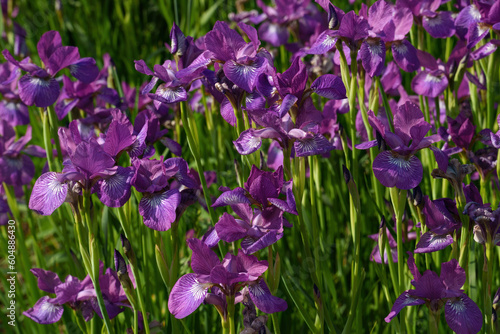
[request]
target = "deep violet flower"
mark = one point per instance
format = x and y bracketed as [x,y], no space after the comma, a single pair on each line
[487,220]
[398,166]
[243,62]
[160,200]
[461,313]
[16,168]
[79,295]
[441,217]
[12,109]
[223,279]
[89,166]
[39,87]
[262,226]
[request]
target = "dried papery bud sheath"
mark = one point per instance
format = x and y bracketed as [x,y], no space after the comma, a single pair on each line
[351,185]
[333,20]
[380,142]
[317,294]
[455,173]
[347,174]
[417,197]
[127,249]
[120,265]
[124,278]
[382,237]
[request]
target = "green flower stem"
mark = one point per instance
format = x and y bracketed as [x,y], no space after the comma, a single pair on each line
[398,198]
[273,280]
[298,190]
[46,140]
[189,125]
[91,257]
[54,127]
[487,277]
[433,322]
[133,266]
[387,106]
[490,91]
[228,323]
[24,262]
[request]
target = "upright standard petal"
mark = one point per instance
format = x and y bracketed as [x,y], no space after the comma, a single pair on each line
[186,296]
[203,259]
[90,159]
[47,280]
[229,230]
[158,210]
[84,69]
[48,193]
[118,138]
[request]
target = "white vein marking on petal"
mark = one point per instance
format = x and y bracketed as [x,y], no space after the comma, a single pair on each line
[169,93]
[433,78]
[39,82]
[49,308]
[197,290]
[401,48]
[54,185]
[400,162]
[408,299]
[114,181]
[458,305]
[475,13]
[257,290]
[375,48]
[433,21]
[438,239]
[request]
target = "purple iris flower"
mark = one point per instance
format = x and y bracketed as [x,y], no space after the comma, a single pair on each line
[89,166]
[393,245]
[39,87]
[274,29]
[262,226]
[12,109]
[79,295]
[16,168]
[487,220]
[432,80]
[398,166]
[294,102]
[85,96]
[474,22]
[223,279]
[160,200]
[442,219]
[243,62]
[439,24]
[461,313]
[461,129]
